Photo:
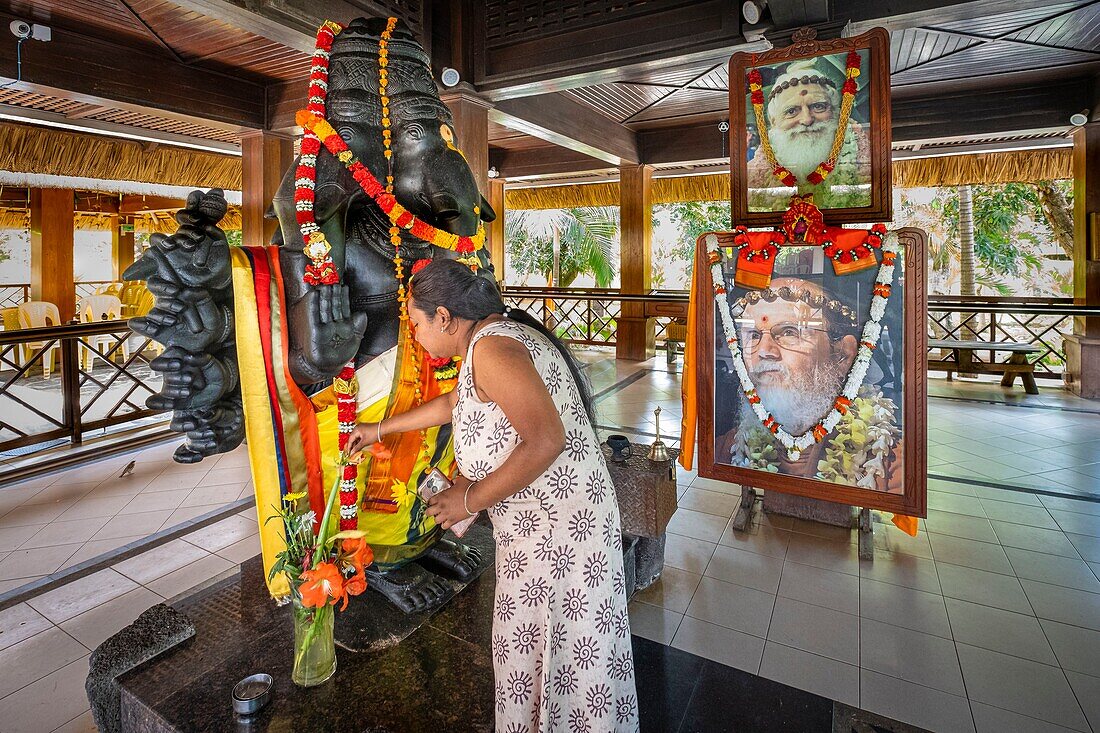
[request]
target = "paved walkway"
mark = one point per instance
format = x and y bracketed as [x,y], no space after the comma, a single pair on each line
[989,620]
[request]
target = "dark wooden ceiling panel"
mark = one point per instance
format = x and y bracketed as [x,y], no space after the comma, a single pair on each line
[103,19]
[40,101]
[164,124]
[675,77]
[914,46]
[684,103]
[990,58]
[58,105]
[1002,23]
[619,101]
[1078,30]
[211,43]
[717,79]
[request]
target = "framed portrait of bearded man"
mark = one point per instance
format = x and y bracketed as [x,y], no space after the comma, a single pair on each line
[812,118]
[813,383]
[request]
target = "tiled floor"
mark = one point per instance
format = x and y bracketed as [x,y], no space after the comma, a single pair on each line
[63,519]
[989,620]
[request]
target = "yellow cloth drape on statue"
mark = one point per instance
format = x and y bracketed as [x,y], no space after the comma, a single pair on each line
[292,441]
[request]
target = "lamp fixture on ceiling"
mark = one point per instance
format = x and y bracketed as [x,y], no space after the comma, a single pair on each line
[753,10]
[450,77]
[1080,118]
[493,172]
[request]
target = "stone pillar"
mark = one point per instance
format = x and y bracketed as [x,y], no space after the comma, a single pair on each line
[122,246]
[1082,373]
[52,221]
[266,157]
[471,117]
[635,336]
[496,228]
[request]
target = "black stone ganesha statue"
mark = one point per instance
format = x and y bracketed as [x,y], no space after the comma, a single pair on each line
[196,278]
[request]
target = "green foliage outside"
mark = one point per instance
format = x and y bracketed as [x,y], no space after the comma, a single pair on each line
[560,245]
[690,219]
[1019,234]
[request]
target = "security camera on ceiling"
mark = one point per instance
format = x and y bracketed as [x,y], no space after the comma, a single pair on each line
[23,30]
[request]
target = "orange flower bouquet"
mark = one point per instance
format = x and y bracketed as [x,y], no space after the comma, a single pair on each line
[325,568]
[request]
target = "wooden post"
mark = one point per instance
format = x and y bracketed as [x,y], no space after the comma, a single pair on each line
[266,157]
[122,245]
[471,117]
[496,228]
[1082,374]
[52,222]
[635,336]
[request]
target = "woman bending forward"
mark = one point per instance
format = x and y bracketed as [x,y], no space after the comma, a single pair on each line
[527,451]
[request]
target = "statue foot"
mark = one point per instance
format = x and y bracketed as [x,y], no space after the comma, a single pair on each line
[411,588]
[452,559]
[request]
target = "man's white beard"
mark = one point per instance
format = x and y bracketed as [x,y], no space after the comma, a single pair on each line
[800,400]
[801,149]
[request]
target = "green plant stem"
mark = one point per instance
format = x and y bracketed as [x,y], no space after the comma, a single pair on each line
[323,534]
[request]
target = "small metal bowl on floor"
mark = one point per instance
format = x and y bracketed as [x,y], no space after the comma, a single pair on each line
[252,693]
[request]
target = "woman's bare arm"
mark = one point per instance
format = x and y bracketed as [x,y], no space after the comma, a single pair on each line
[432,413]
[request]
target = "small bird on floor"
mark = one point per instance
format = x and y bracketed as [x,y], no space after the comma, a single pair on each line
[128,470]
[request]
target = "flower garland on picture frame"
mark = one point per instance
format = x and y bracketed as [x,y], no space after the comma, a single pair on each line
[823,169]
[872,331]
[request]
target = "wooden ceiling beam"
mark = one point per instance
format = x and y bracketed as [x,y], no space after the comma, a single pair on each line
[563,121]
[101,73]
[545,161]
[867,14]
[935,116]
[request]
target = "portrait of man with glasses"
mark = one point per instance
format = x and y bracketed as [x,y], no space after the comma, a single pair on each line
[799,341]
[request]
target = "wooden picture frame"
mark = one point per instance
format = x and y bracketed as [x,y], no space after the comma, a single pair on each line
[912,500]
[868,133]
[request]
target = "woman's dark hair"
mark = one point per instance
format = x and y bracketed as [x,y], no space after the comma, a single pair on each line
[468,296]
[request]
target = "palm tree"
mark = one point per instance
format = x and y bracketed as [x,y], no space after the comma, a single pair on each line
[563,244]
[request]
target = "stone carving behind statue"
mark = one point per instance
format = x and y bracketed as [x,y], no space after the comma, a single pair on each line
[191,274]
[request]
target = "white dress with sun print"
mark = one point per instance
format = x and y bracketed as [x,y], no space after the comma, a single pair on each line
[561,636]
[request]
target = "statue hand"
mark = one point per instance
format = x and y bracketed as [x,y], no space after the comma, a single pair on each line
[334,332]
[190,380]
[185,317]
[210,430]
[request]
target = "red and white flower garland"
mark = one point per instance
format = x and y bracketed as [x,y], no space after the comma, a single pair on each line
[346,387]
[872,330]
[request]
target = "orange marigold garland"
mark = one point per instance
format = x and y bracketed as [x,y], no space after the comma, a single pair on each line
[823,169]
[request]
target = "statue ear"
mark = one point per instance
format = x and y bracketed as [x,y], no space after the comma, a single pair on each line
[487,213]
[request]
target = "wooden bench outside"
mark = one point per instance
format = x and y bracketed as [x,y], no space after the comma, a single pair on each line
[1018,362]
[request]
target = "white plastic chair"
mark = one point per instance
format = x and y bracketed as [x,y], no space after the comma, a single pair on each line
[94,309]
[40,314]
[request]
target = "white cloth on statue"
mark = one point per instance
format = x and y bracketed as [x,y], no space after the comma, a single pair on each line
[561,635]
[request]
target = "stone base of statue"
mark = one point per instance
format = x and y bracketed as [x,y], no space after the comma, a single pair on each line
[371,623]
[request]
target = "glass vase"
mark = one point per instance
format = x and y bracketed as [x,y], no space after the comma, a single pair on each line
[314,645]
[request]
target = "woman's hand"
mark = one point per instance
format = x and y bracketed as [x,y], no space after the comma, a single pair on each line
[449,507]
[362,436]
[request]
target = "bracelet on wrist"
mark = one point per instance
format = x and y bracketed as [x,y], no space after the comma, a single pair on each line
[466,500]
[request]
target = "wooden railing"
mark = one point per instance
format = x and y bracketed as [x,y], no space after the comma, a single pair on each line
[13,294]
[1041,322]
[98,378]
[587,316]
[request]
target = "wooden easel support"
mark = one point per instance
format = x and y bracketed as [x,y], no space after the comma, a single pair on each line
[866,536]
[742,518]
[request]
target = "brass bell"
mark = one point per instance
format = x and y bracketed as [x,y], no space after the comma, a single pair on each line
[658,452]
